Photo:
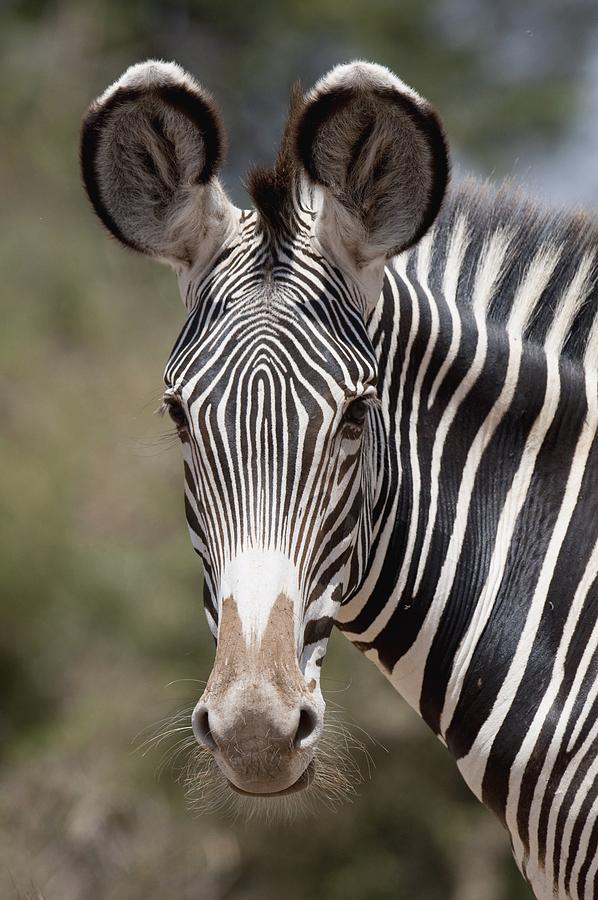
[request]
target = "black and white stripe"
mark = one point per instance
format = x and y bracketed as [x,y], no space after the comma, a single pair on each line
[272,354]
[481,594]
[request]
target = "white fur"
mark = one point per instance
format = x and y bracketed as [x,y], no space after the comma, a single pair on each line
[363,74]
[151,73]
[255,578]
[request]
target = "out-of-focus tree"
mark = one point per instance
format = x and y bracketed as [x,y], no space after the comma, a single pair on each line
[500,73]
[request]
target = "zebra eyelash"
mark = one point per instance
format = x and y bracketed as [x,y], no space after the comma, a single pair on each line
[162,410]
[171,403]
[371,400]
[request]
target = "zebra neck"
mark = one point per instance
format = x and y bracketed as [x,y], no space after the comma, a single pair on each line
[472,456]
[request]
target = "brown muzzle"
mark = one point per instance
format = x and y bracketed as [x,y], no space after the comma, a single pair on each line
[257,715]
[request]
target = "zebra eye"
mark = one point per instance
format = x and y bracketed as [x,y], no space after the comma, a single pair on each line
[176,412]
[356,413]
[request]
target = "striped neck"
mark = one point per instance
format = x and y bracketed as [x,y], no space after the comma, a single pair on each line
[487,365]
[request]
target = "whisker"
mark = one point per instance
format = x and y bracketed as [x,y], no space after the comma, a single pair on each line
[159,739]
[181,680]
[336,779]
[156,731]
[152,446]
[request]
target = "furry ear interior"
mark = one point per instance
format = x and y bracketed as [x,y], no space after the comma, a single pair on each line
[150,149]
[377,151]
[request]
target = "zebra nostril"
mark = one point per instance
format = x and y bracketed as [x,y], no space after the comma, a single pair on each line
[305,729]
[202,730]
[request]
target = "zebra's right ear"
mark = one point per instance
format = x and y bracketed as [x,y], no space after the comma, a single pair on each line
[150,149]
[377,152]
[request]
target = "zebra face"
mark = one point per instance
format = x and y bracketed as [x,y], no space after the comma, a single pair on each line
[271,386]
[272,383]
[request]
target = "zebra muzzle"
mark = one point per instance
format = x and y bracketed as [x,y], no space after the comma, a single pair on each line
[257,716]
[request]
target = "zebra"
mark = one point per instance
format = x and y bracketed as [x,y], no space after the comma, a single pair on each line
[386,397]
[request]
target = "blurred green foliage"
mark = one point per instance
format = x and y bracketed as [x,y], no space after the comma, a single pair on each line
[102,632]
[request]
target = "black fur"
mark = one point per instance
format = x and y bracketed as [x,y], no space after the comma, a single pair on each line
[272,189]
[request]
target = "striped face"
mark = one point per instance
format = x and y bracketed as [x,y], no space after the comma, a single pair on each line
[271,384]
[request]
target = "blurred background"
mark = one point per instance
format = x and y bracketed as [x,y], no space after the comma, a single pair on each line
[101,625]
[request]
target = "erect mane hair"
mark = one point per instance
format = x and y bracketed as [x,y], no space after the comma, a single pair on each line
[532,228]
[273,189]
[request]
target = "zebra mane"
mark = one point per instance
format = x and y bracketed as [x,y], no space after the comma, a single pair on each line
[274,189]
[560,246]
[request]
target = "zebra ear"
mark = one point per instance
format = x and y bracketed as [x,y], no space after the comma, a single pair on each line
[378,153]
[150,148]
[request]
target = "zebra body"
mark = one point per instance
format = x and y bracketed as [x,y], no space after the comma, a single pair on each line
[481,595]
[386,425]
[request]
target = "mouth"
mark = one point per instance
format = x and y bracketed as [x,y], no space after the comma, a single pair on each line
[303,782]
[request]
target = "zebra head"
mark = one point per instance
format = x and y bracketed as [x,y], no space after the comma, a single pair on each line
[272,382]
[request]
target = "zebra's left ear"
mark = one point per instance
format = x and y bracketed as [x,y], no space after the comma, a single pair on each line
[377,152]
